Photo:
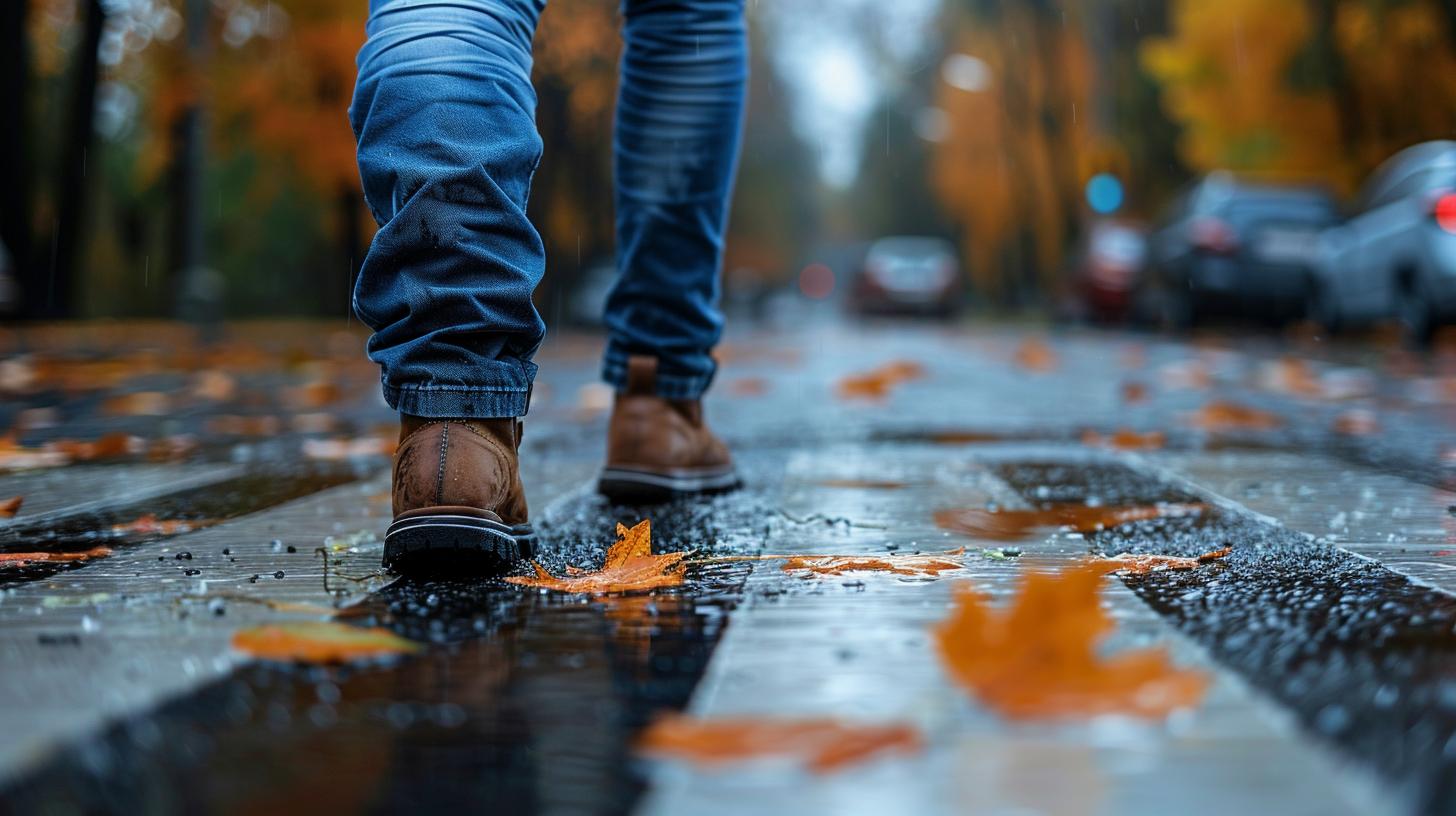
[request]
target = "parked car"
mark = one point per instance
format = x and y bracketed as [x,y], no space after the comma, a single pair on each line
[1231,246]
[1396,254]
[908,274]
[1108,268]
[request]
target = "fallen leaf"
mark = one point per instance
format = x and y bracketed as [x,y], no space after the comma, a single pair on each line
[1126,439]
[1191,375]
[876,383]
[1357,422]
[1144,563]
[334,450]
[1228,416]
[1290,375]
[1134,393]
[1011,525]
[214,386]
[630,565]
[1041,658]
[862,484]
[14,456]
[821,744]
[932,565]
[233,425]
[748,387]
[21,559]
[110,446]
[149,524]
[138,403]
[320,642]
[9,507]
[313,395]
[1035,355]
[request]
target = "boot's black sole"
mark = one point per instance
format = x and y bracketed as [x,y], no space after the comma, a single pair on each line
[458,545]
[636,487]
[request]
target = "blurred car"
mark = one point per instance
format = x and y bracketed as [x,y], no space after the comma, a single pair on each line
[1232,246]
[1109,268]
[1396,254]
[908,274]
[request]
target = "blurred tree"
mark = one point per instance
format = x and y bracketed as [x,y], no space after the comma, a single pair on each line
[14,140]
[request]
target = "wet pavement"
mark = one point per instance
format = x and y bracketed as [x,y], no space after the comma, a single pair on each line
[258,496]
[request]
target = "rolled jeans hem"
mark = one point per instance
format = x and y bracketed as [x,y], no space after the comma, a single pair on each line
[669,385]
[458,401]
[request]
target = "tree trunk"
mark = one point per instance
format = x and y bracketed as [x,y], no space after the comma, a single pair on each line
[196,291]
[351,252]
[56,297]
[14,142]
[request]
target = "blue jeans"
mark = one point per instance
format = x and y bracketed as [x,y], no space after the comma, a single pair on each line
[444,115]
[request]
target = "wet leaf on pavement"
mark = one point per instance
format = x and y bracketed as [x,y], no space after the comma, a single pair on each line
[1357,422]
[1126,439]
[9,507]
[878,382]
[822,745]
[1222,415]
[931,565]
[1012,525]
[630,565]
[1134,393]
[138,403]
[1040,658]
[1036,355]
[320,642]
[748,387]
[335,450]
[863,484]
[13,560]
[149,524]
[1144,563]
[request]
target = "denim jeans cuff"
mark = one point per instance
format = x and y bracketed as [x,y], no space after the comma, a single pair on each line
[458,401]
[669,384]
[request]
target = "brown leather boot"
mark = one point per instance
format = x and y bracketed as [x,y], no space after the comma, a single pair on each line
[458,502]
[660,449]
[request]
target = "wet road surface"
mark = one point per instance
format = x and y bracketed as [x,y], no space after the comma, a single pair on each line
[1332,656]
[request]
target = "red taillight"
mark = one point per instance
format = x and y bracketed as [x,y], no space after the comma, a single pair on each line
[1444,211]
[1213,236]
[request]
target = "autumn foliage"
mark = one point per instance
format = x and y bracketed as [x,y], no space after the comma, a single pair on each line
[630,565]
[1041,658]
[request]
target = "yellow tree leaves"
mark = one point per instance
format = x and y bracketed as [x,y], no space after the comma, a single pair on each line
[630,565]
[1040,658]
[821,744]
[320,642]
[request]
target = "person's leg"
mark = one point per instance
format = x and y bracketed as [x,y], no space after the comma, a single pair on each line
[444,114]
[679,118]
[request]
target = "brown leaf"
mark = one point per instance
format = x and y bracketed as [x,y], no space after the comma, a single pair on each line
[1035,355]
[138,403]
[932,565]
[1357,422]
[1230,416]
[320,642]
[1040,658]
[14,456]
[822,745]
[1126,439]
[1134,393]
[1144,563]
[10,560]
[1011,525]
[877,383]
[630,565]
[149,524]
[748,387]
[11,506]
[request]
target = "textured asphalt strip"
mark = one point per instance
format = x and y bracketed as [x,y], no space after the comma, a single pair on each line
[858,648]
[1364,656]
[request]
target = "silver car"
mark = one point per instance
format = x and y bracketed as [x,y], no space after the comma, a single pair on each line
[1396,254]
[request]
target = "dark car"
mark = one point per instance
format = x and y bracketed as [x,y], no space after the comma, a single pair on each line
[1234,247]
[1396,254]
[1109,268]
[908,274]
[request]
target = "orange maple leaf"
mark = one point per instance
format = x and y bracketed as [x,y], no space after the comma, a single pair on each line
[630,565]
[822,744]
[1040,659]
[1035,355]
[1012,525]
[9,507]
[932,565]
[320,642]
[1227,416]
[876,383]
[1125,439]
[1144,563]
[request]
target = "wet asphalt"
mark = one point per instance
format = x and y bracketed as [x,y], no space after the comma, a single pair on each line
[528,701]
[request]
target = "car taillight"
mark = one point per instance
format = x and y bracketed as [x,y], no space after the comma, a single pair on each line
[1213,236]
[1444,211]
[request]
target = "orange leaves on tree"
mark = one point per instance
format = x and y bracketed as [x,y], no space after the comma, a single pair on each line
[320,642]
[630,565]
[1125,439]
[1035,354]
[1012,525]
[878,382]
[915,565]
[1142,563]
[821,744]
[11,506]
[10,560]
[1040,659]
[1221,415]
